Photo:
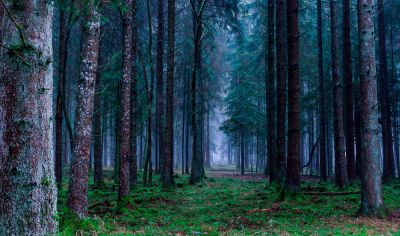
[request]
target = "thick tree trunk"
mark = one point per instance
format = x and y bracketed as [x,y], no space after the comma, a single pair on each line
[29,194]
[371,186]
[160,107]
[339,143]
[124,150]
[77,196]
[169,129]
[293,143]
[133,100]
[271,102]
[321,91]
[387,139]
[281,90]
[348,117]
[197,173]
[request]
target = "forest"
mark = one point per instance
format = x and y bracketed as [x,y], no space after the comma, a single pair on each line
[199,117]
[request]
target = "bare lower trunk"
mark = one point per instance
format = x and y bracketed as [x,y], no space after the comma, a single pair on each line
[340,159]
[371,186]
[169,129]
[29,195]
[160,107]
[293,143]
[77,195]
[197,173]
[124,150]
[281,91]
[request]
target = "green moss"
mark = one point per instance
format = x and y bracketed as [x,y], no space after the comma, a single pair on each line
[46,182]
[222,206]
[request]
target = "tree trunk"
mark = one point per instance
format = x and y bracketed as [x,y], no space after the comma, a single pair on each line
[184,131]
[271,103]
[293,143]
[124,149]
[281,90]
[371,186]
[340,159]
[60,91]
[77,196]
[167,181]
[133,100]
[387,139]
[160,107]
[28,206]
[348,93]
[321,90]
[197,173]
[187,132]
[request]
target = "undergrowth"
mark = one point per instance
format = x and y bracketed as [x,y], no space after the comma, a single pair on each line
[227,206]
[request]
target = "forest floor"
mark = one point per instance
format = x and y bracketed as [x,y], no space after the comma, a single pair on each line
[229,204]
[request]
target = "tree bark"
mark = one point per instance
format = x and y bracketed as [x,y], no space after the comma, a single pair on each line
[77,195]
[293,143]
[371,186]
[339,143]
[197,173]
[125,132]
[321,91]
[281,90]
[184,131]
[160,107]
[167,181]
[29,196]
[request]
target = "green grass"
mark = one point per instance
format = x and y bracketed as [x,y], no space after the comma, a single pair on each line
[227,206]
